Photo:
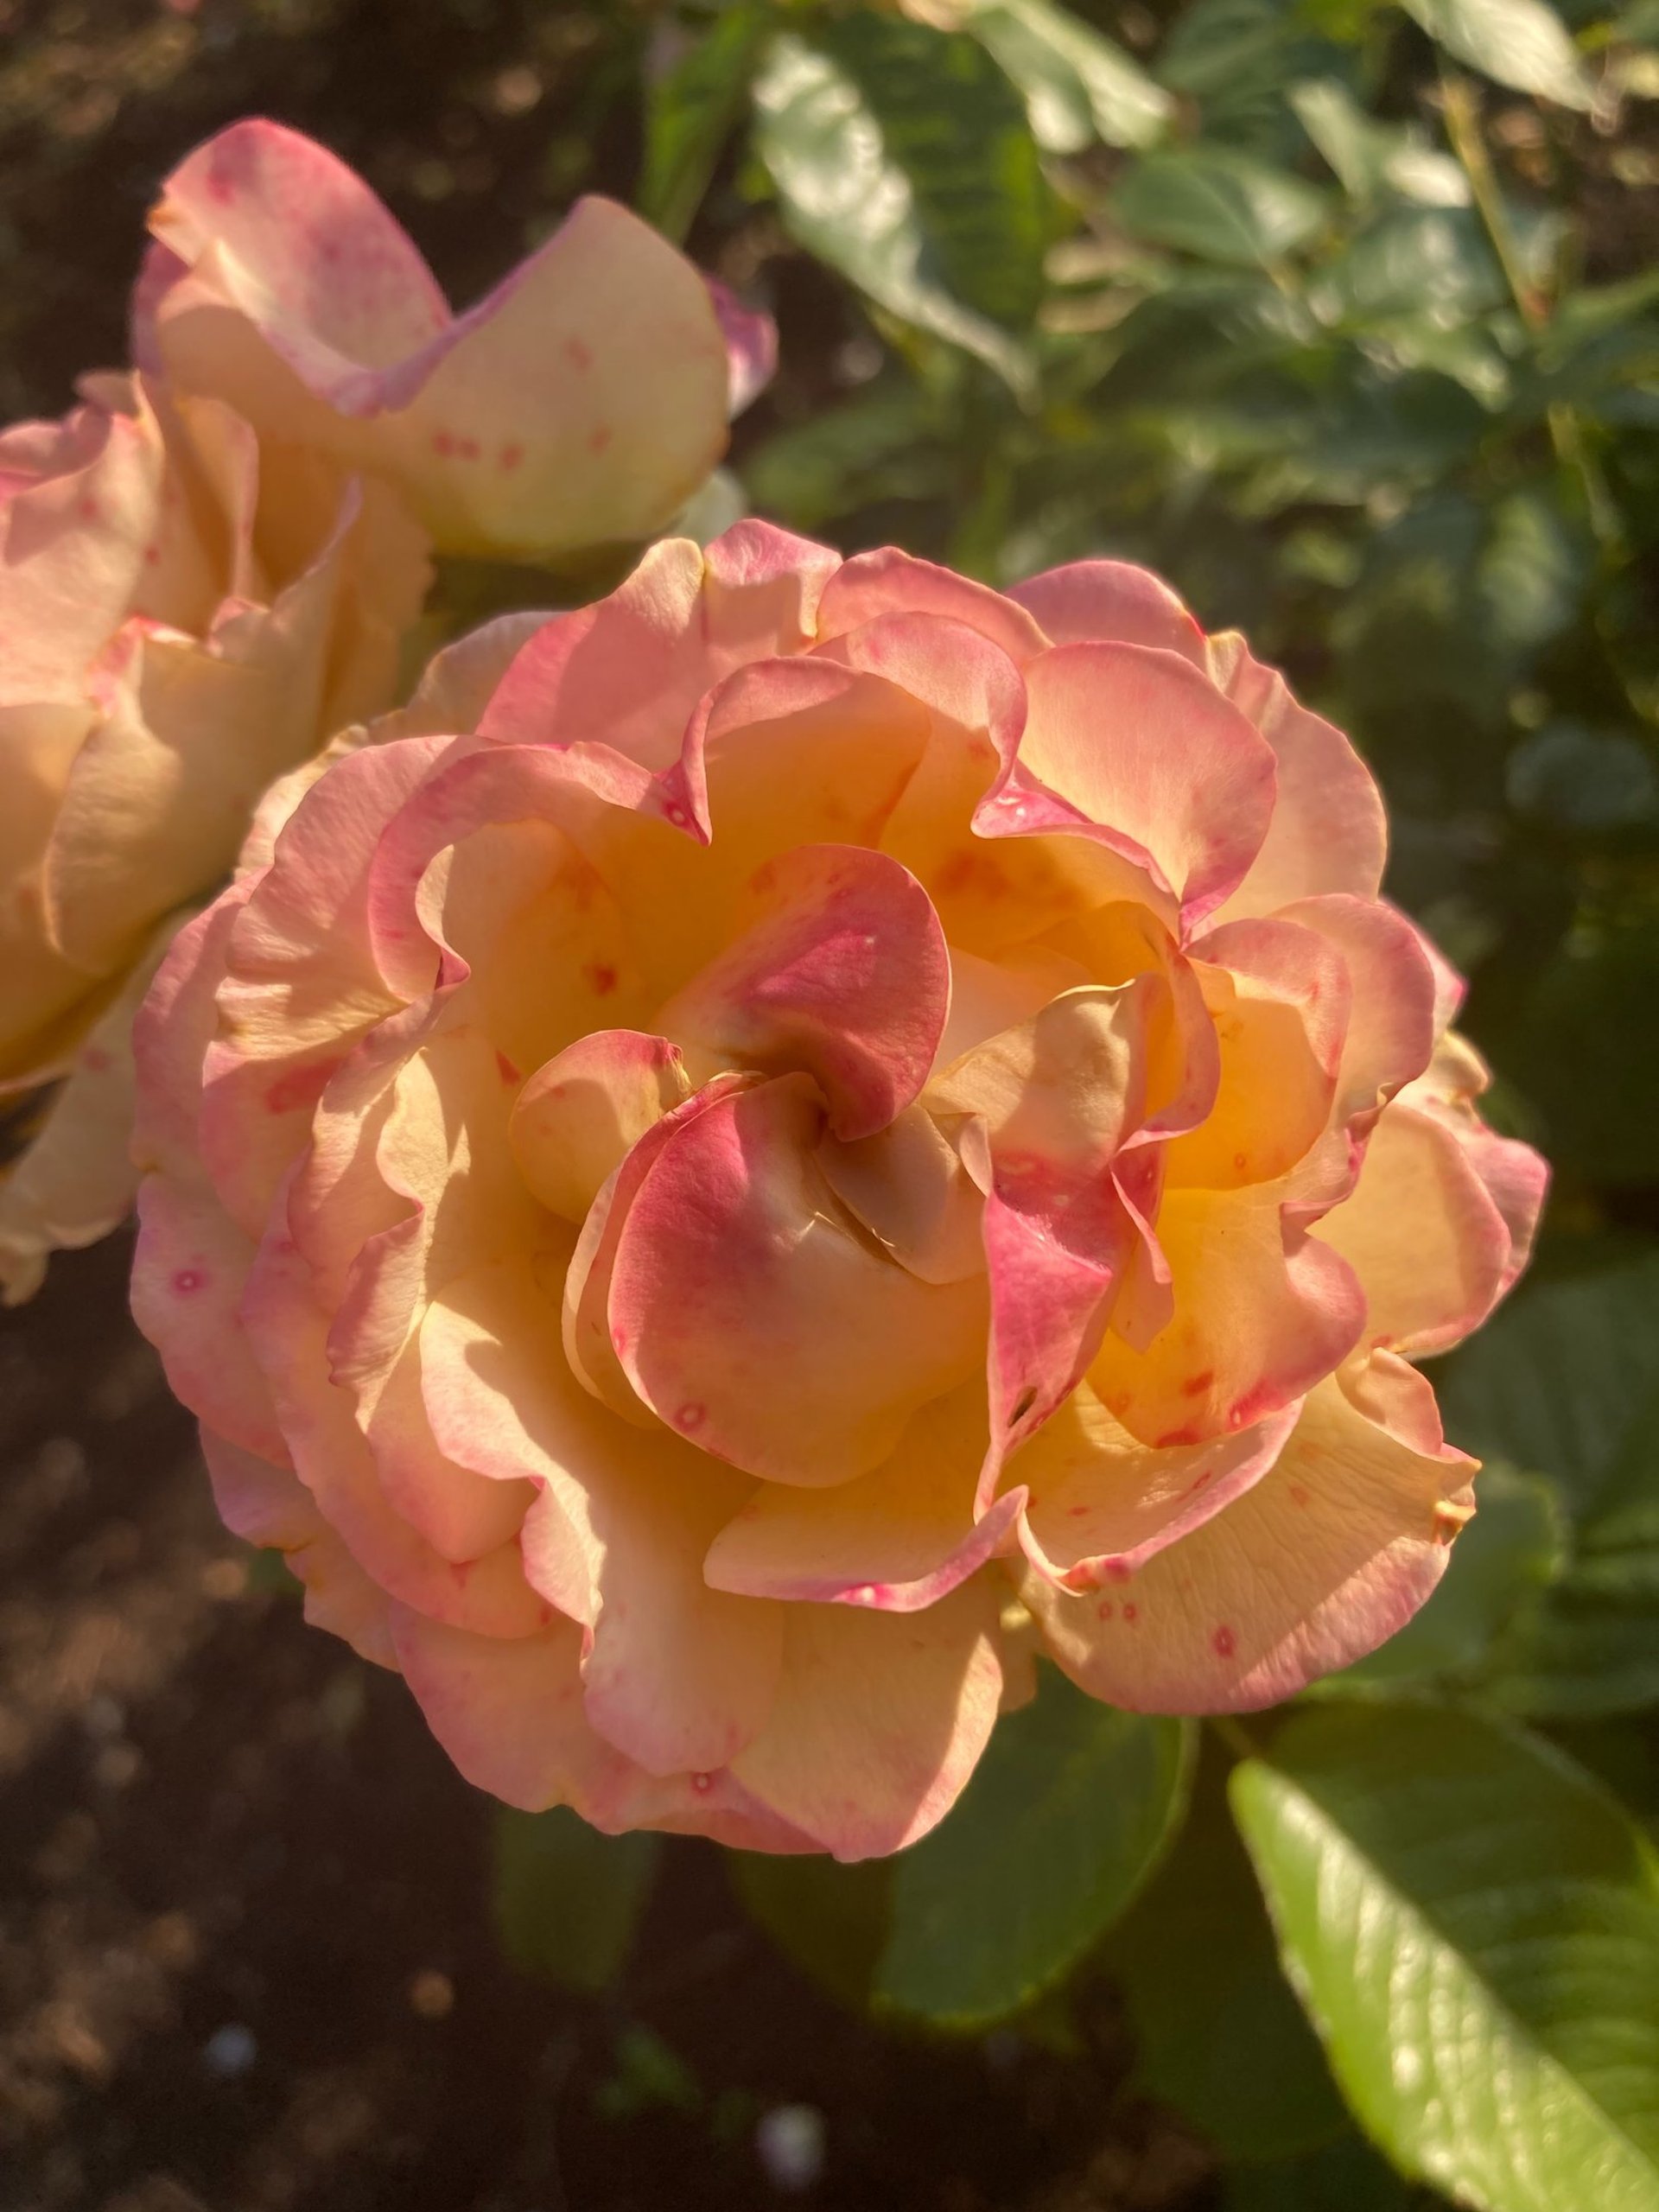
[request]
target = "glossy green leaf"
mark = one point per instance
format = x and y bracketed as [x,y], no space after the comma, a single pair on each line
[1068,1813]
[690,110]
[1473,1926]
[1218,2034]
[566,1899]
[1222,206]
[903,159]
[1523,43]
[1079,85]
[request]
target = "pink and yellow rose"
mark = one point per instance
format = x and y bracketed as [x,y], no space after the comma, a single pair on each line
[581,404]
[208,571]
[185,612]
[793,1136]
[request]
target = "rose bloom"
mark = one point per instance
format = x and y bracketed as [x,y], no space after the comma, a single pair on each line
[193,600]
[581,403]
[185,613]
[800,1133]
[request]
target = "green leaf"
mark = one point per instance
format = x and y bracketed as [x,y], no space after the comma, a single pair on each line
[1068,1813]
[1473,1927]
[887,443]
[567,1899]
[1223,206]
[1568,1373]
[1371,157]
[1565,1379]
[1523,43]
[1078,85]
[690,110]
[1572,777]
[902,159]
[1506,1556]
[830,1919]
[1344,2176]
[1586,1052]
[1218,2034]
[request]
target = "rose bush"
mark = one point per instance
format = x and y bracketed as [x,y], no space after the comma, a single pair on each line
[793,1137]
[581,403]
[185,612]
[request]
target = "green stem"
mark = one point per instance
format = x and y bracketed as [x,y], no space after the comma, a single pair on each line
[1236,1738]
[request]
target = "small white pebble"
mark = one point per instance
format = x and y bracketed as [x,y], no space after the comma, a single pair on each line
[230,2052]
[789,2141]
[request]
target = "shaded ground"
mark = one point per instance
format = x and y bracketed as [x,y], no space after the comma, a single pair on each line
[245,1962]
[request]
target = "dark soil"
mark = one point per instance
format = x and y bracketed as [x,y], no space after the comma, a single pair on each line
[246,1961]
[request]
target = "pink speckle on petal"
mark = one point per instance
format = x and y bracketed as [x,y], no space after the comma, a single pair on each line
[599,437]
[95,1059]
[1115,1570]
[510,457]
[1225,1643]
[505,1069]
[579,352]
[602,977]
[1130,1611]
[1106,1609]
[1196,1385]
[87,510]
[1076,1512]
[469,449]
[189,1279]
[152,556]
[1298,1495]
[690,1416]
[443,443]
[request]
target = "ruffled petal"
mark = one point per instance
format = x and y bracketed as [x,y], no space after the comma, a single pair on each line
[1326,1555]
[1261,1312]
[585,1109]
[1112,602]
[898,1539]
[879,1720]
[581,403]
[1327,832]
[1103,1503]
[1173,777]
[628,670]
[510,1714]
[1423,1234]
[843,975]
[751,1316]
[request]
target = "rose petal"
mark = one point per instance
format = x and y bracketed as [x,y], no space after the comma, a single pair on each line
[898,1539]
[1174,778]
[583,1111]
[1109,601]
[879,1720]
[1331,1552]
[1327,832]
[843,976]
[749,1315]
